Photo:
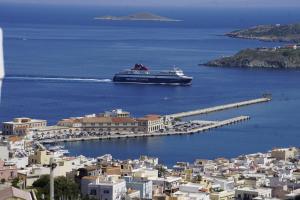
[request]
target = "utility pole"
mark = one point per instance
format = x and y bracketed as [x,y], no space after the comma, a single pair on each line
[52,167]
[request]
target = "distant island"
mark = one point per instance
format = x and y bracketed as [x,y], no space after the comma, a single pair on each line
[280,58]
[277,32]
[138,17]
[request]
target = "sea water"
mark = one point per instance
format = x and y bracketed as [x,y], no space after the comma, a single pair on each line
[60,62]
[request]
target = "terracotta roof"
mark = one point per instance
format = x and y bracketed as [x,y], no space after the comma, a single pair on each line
[15,138]
[91,167]
[11,192]
[123,120]
[150,117]
[96,120]
[90,177]
[71,120]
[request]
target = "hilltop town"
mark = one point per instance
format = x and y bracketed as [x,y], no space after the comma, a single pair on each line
[27,164]
[271,175]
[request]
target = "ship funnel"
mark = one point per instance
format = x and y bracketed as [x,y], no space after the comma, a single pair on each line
[2,73]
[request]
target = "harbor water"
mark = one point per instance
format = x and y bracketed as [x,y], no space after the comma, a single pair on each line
[60,62]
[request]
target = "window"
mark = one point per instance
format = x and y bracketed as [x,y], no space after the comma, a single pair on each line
[106,191]
[93,192]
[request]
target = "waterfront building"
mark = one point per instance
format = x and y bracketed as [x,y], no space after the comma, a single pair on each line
[109,124]
[116,113]
[73,122]
[114,122]
[102,124]
[150,123]
[21,126]
[51,131]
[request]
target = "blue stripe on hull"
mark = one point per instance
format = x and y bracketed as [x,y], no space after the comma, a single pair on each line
[152,80]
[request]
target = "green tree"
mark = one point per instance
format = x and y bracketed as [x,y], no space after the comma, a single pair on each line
[64,188]
[198,178]
[15,182]
[41,182]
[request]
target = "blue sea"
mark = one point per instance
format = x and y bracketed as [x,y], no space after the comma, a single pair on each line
[60,62]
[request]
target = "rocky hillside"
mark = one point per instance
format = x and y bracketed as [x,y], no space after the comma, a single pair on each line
[283,33]
[262,58]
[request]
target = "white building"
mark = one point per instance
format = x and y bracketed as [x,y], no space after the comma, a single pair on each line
[170,183]
[190,187]
[4,153]
[247,193]
[21,126]
[145,173]
[20,162]
[142,185]
[225,184]
[191,195]
[108,188]
[117,113]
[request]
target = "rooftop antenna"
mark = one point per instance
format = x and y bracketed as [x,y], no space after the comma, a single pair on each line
[2,73]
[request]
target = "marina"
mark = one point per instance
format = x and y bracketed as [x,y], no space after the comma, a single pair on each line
[79,121]
[215,124]
[162,125]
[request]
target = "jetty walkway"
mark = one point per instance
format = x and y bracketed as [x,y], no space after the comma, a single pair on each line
[216,124]
[217,108]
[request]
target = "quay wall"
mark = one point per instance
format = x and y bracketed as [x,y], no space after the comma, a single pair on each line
[217,108]
[217,124]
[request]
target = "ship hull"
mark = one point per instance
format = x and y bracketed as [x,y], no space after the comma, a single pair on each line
[156,80]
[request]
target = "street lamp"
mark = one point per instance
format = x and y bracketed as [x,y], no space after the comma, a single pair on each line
[52,167]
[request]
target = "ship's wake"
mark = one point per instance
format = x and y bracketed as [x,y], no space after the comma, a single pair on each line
[57,79]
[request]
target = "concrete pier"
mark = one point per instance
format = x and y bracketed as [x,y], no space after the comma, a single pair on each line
[216,108]
[216,124]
